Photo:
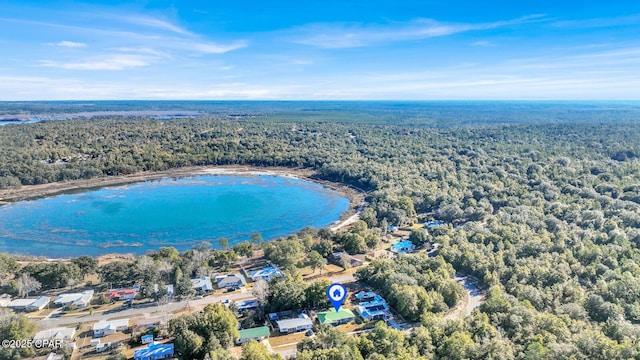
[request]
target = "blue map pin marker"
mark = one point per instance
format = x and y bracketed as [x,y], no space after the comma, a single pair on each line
[337,293]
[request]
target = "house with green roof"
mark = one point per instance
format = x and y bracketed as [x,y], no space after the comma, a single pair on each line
[257,334]
[335,318]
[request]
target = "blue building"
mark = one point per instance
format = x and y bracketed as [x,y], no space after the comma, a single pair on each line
[372,306]
[402,247]
[154,351]
[434,224]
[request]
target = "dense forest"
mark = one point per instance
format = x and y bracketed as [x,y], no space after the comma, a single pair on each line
[545,214]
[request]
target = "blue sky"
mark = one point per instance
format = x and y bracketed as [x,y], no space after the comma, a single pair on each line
[324,50]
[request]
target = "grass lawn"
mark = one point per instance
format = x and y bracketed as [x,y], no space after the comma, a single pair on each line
[286,339]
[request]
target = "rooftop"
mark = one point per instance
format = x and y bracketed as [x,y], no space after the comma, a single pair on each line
[230,280]
[111,324]
[203,283]
[84,296]
[262,331]
[330,316]
[59,333]
[155,350]
[37,302]
[292,323]
[402,246]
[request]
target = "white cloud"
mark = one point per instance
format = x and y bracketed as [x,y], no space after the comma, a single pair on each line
[155,23]
[70,44]
[108,62]
[213,48]
[333,36]
[599,22]
[483,43]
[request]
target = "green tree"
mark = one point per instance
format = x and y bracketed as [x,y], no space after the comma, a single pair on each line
[118,273]
[198,334]
[284,252]
[316,261]
[286,293]
[418,237]
[256,351]
[316,294]
[223,242]
[8,265]
[184,286]
[256,239]
[15,327]
[354,243]
[87,265]
[244,249]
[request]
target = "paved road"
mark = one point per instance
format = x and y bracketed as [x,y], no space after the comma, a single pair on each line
[167,308]
[475,298]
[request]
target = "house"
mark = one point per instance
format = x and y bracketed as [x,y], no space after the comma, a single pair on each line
[79,300]
[231,281]
[372,306]
[59,333]
[154,351]
[54,356]
[5,299]
[257,334]
[121,294]
[354,260]
[29,304]
[288,326]
[377,254]
[202,284]
[170,291]
[267,274]
[104,328]
[247,305]
[431,224]
[374,310]
[402,247]
[151,322]
[336,318]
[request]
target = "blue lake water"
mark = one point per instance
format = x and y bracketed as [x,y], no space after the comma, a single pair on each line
[180,212]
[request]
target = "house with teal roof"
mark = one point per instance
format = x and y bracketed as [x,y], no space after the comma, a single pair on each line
[336,318]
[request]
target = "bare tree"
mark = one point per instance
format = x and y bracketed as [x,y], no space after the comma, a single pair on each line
[199,261]
[166,269]
[261,291]
[26,284]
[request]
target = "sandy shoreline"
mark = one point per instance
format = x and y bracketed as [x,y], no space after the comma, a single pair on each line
[8,196]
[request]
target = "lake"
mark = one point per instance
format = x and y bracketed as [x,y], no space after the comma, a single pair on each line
[179,212]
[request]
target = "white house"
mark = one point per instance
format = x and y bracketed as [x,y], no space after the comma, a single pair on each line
[59,333]
[30,304]
[230,281]
[202,284]
[294,325]
[104,328]
[79,300]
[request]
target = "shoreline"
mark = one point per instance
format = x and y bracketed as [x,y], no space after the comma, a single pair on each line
[32,192]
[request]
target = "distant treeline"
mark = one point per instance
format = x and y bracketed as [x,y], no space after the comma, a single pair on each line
[546,215]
